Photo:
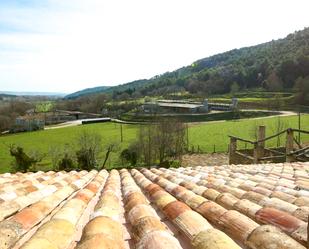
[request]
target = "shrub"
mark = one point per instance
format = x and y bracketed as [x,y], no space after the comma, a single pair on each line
[23,161]
[89,149]
[129,155]
[66,163]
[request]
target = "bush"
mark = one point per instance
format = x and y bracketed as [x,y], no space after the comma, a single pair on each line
[170,164]
[129,155]
[66,163]
[23,161]
[89,149]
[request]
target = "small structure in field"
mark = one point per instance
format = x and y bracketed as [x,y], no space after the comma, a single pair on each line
[61,116]
[182,106]
[28,123]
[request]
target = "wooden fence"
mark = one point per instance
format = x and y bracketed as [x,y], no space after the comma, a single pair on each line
[293,150]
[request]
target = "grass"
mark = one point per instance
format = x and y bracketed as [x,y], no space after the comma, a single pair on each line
[205,135]
[44,140]
[213,116]
[208,136]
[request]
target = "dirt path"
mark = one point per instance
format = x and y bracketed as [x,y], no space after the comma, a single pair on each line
[63,125]
[211,159]
[79,122]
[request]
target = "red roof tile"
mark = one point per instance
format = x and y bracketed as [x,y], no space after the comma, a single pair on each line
[234,206]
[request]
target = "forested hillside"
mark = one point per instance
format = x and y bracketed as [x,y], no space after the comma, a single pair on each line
[275,66]
[86,91]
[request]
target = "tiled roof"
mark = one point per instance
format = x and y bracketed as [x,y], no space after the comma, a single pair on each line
[234,206]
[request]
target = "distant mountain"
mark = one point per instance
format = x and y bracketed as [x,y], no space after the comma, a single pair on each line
[274,66]
[106,89]
[47,94]
[130,85]
[87,91]
[7,95]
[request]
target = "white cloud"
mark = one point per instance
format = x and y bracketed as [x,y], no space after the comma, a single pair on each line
[66,45]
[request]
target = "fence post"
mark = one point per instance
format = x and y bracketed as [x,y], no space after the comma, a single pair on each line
[261,135]
[232,149]
[308,233]
[256,153]
[289,145]
[259,146]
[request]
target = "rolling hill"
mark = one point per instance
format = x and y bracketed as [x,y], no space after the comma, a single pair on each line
[274,65]
[86,91]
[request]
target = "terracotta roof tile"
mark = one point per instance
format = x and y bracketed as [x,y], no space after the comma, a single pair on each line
[234,206]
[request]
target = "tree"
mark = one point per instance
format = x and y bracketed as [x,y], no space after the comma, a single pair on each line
[279,125]
[66,162]
[63,158]
[273,82]
[234,88]
[161,142]
[5,122]
[24,161]
[10,110]
[110,148]
[89,148]
[130,154]
[302,89]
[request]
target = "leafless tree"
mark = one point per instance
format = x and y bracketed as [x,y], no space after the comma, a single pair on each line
[162,141]
[253,132]
[279,126]
[89,147]
[110,148]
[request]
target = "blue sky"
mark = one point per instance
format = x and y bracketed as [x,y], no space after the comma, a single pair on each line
[68,45]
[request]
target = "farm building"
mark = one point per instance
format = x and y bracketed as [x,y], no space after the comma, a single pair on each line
[178,106]
[230,206]
[60,116]
[28,123]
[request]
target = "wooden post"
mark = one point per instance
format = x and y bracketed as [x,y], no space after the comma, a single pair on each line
[299,141]
[256,153]
[261,135]
[121,136]
[289,145]
[187,127]
[308,234]
[232,149]
[259,147]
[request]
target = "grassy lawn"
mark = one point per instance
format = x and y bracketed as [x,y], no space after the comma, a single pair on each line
[205,135]
[44,140]
[187,118]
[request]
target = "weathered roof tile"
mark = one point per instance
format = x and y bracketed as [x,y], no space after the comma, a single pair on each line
[258,207]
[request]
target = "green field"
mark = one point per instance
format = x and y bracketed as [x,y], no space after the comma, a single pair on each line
[44,140]
[204,135]
[188,118]
[208,136]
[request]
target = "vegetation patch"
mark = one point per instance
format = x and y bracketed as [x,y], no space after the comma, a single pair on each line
[216,116]
[202,135]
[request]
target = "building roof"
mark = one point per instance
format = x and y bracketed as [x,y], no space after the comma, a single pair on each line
[175,105]
[32,117]
[232,206]
[179,105]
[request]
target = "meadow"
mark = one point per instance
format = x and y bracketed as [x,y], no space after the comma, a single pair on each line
[46,140]
[206,136]
[214,136]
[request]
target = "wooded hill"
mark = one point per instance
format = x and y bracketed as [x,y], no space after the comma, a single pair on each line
[276,66]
